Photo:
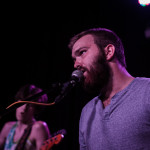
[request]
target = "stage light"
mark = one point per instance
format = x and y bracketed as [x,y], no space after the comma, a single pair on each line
[144,2]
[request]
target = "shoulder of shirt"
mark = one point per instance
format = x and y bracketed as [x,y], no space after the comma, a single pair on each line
[91,103]
[143,80]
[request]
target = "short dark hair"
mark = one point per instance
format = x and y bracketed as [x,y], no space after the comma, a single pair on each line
[102,38]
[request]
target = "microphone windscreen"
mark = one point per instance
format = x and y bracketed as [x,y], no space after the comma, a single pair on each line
[77,75]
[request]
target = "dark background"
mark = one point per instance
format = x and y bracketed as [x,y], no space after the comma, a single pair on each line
[34,39]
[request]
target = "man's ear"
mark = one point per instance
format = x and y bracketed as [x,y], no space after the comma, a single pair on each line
[109,51]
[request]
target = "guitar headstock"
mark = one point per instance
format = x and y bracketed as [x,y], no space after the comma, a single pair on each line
[56,139]
[62,131]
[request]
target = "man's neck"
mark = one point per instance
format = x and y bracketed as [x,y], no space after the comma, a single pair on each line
[119,80]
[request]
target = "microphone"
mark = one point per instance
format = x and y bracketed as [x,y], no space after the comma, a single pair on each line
[76,78]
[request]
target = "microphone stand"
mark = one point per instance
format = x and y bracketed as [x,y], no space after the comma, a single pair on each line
[65,90]
[76,78]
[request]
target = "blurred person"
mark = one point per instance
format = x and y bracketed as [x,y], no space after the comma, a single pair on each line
[26,133]
[118,118]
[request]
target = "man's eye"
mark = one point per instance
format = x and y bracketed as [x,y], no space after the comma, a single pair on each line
[82,52]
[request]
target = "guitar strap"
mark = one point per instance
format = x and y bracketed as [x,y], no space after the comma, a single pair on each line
[22,141]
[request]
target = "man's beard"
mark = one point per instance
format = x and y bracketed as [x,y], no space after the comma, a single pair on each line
[98,76]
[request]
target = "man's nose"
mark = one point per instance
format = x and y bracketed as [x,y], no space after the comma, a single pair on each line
[77,63]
